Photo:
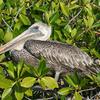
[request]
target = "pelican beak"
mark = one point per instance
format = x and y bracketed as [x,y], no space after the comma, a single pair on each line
[18,42]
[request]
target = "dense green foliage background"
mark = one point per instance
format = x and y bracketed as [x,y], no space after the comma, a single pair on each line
[75,22]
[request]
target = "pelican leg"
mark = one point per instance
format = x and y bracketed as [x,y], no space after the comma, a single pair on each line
[57,73]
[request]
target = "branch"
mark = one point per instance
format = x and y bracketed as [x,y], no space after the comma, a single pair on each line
[17,15]
[87,90]
[6,23]
[73,18]
[95,5]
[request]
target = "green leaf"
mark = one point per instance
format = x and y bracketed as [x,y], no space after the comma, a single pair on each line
[5,83]
[42,65]
[28,82]
[69,41]
[29,92]
[25,19]
[19,94]
[68,28]
[17,25]
[70,81]
[96,25]
[54,17]
[65,91]
[1,34]
[90,21]
[64,9]
[8,36]
[42,69]
[8,97]
[97,54]
[6,93]
[10,68]
[75,78]
[58,33]
[47,16]
[48,82]
[97,79]
[2,75]
[1,1]
[73,32]
[77,96]
[86,22]
[2,57]
[88,9]
[84,82]
[86,1]
[19,68]
[74,6]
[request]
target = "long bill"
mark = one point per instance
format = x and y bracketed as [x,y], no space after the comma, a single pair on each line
[19,41]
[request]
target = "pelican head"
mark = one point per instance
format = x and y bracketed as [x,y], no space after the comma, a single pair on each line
[38,31]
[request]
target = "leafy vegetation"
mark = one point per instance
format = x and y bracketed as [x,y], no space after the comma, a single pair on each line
[75,22]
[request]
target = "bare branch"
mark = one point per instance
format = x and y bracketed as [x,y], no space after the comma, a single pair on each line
[87,90]
[73,18]
[6,23]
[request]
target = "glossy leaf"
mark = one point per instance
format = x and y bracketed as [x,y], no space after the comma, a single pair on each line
[42,67]
[90,21]
[8,36]
[10,69]
[5,83]
[1,34]
[25,19]
[19,68]
[73,32]
[65,91]
[70,81]
[28,82]
[65,9]
[1,1]
[93,51]
[48,82]
[54,17]
[2,57]
[6,93]
[77,96]
[19,94]
[29,92]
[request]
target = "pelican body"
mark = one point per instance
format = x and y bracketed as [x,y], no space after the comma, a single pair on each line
[61,57]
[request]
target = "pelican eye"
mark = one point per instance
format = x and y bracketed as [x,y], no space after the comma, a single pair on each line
[36,27]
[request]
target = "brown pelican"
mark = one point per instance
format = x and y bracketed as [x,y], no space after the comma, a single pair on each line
[61,57]
[38,31]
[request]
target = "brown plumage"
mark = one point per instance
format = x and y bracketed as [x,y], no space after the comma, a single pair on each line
[61,56]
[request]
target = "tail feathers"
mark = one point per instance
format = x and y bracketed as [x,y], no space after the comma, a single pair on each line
[94,69]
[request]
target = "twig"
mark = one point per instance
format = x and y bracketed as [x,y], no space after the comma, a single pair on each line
[51,98]
[27,98]
[95,5]
[6,23]
[94,96]
[73,18]
[17,15]
[87,90]
[84,31]
[30,6]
